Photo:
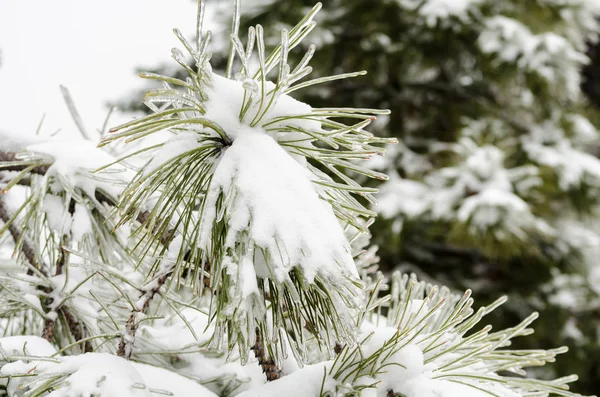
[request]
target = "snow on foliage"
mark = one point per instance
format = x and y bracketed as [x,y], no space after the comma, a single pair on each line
[240,231]
[548,55]
[268,221]
[88,374]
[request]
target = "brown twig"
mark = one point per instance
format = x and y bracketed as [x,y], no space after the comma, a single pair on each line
[77,330]
[267,364]
[125,348]
[48,331]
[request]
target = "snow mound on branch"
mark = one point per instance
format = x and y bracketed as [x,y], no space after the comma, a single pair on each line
[271,197]
[166,381]
[74,160]
[409,376]
[302,383]
[26,345]
[101,374]
[218,373]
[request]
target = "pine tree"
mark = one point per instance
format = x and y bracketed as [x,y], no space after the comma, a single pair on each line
[220,237]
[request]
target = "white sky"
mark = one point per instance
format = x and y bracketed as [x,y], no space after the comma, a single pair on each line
[91,47]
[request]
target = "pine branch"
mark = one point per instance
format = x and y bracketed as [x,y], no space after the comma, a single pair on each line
[29,254]
[142,217]
[26,247]
[125,348]
[267,364]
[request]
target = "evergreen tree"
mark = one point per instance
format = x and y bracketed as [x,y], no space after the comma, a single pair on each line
[220,237]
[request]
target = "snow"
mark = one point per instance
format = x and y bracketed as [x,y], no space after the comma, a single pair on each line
[106,375]
[271,196]
[548,54]
[179,386]
[402,197]
[225,98]
[434,10]
[304,382]
[216,372]
[548,146]
[27,345]
[482,209]
[72,158]
[272,204]
[173,147]
[478,192]
[570,330]
[56,214]
[82,223]
[583,130]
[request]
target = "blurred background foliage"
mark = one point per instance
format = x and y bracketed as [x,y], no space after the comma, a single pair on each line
[495,184]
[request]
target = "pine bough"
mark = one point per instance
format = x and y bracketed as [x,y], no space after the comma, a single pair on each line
[225,223]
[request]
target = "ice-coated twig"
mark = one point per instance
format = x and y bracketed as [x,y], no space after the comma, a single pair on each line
[125,348]
[9,161]
[16,234]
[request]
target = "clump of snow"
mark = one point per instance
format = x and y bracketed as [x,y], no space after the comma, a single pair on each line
[304,382]
[87,374]
[571,330]
[56,214]
[548,146]
[403,197]
[74,160]
[82,223]
[101,374]
[549,55]
[583,130]
[271,197]
[567,290]
[26,345]
[173,147]
[159,380]
[217,372]
[440,10]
